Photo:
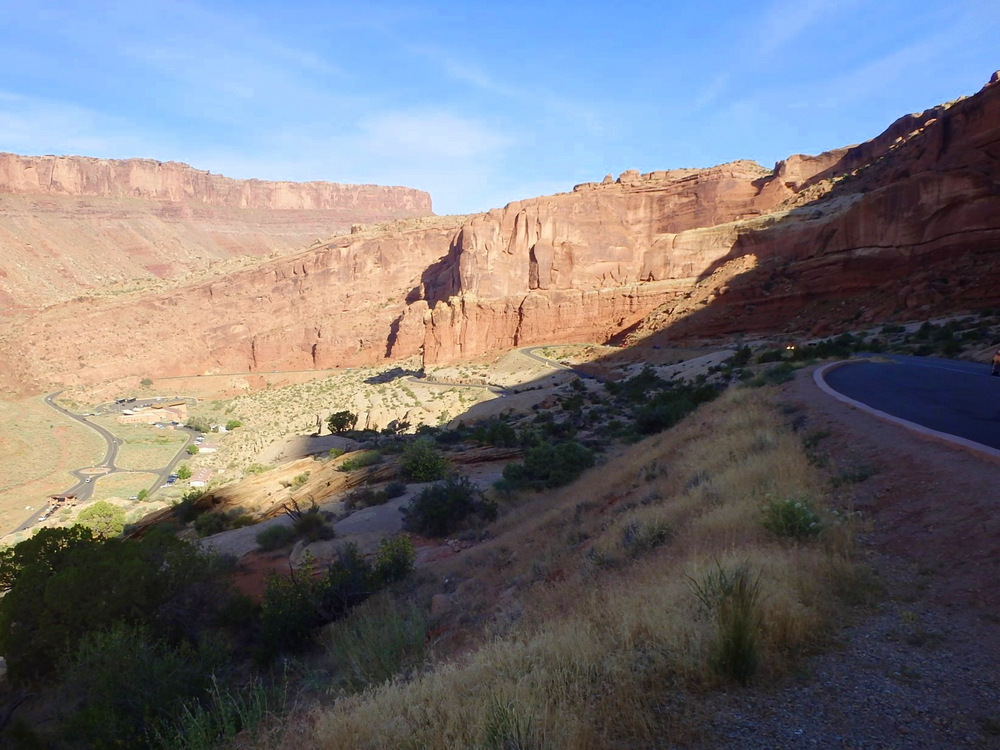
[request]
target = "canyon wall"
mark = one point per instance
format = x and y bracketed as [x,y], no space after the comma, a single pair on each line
[908,220]
[71,225]
[904,225]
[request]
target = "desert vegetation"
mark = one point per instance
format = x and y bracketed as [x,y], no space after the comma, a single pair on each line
[670,582]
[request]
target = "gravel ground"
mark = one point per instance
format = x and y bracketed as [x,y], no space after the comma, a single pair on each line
[921,669]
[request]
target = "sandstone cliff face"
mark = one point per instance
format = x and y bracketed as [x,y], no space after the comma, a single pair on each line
[71,224]
[333,306]
[173,181]
[907,221]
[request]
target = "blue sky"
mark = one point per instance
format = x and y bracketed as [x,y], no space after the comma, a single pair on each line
[479,103]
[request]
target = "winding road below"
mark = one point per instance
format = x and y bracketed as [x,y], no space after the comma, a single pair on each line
[84,487]
[950,399]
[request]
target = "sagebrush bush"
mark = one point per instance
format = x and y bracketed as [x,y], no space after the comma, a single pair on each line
[312,526]
[791,517]
[275,537]
[446,506]
[423,462]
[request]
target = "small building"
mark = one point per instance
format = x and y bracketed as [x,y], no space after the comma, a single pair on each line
[200,478]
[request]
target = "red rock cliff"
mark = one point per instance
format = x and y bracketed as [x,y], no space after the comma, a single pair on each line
[71,224]
[909,220]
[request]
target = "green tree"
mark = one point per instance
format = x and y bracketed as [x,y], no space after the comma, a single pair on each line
[103,518]
[143,494]
[183,471]
[423,462]
[192,449]
[65,583]
[232,424]
[342,421]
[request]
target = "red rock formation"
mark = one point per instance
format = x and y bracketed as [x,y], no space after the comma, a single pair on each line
[91,223]
[732,248]
[910,219]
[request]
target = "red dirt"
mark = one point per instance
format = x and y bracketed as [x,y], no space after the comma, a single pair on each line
[933,504]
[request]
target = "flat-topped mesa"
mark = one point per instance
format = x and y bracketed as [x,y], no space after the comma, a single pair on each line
[104,225]
[173,181]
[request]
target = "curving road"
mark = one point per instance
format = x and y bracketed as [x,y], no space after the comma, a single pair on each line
[83,489]
[944,395]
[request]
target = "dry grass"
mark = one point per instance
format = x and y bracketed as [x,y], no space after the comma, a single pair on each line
[145,447]
[595,644]
[39,447]
[122,485]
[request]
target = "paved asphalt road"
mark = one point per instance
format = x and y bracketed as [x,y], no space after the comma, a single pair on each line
[959,398]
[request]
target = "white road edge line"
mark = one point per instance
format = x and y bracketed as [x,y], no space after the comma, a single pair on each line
[918,428]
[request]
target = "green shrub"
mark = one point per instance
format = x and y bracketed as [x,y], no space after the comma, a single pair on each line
[312,526]
[548,466]
[207,524]
[730,597]
[296,605]
[442,508]
[257,468]
[395,489]
[275,537]
[103,518]
[335,453]
[423,462]
[232,424]
[791,517]
[65,583]
[359,460]
[130,682]
[394,559]
[776,375]
[300,479]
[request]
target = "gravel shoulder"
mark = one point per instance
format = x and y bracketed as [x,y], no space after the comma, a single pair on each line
[921,668]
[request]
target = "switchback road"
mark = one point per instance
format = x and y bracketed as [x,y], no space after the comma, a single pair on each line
[947,396]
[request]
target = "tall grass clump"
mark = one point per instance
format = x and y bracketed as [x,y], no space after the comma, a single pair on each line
[731,597]
[376,641]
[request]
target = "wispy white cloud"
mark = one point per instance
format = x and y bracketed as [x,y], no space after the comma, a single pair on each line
[427,136]
[32,125]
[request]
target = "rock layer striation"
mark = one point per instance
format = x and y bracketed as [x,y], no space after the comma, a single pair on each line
[71,224]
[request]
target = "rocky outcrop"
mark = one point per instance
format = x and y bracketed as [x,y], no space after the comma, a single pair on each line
[335,305]
[99,224]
